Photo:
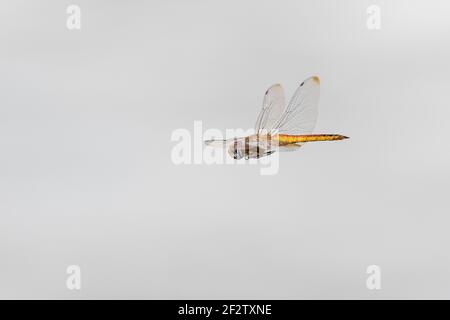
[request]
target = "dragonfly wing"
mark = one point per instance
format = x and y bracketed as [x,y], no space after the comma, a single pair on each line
[300,116]
[217,143]
[273,106]
[290,147]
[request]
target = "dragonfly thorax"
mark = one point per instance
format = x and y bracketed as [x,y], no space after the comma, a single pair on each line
[252,147]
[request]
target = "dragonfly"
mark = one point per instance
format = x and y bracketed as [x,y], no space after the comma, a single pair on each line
[280,128]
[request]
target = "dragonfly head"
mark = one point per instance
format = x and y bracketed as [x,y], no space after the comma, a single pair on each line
[236,152]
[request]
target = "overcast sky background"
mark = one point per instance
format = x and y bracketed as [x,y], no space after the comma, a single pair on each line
[86,176]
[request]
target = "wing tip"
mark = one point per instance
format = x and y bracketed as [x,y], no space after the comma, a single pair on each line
[273,86]
[314,79]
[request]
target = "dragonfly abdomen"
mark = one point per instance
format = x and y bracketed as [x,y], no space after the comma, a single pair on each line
[288,139]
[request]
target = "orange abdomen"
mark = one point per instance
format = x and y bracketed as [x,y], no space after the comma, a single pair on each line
[289,139]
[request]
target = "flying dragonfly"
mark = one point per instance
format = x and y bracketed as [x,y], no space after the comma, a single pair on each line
[278,128]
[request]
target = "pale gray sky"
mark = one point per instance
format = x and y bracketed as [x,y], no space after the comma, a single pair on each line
[86,176]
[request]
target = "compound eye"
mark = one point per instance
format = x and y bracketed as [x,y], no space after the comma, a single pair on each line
[237,154]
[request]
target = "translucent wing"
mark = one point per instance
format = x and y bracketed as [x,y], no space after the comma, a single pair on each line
[290,147]
[273,106]
[300,116]
[222,143]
